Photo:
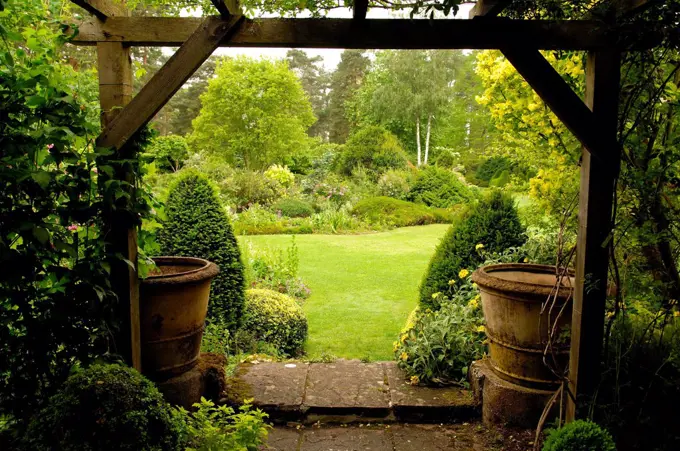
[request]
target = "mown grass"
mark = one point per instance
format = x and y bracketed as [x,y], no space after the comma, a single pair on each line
[363,286]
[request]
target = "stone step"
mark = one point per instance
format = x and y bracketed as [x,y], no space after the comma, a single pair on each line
[345,391]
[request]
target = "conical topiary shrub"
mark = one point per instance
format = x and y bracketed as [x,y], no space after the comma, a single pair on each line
[493,222]
[197,226]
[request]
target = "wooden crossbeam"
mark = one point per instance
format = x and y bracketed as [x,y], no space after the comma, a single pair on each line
[562,100]
[491,33]
[102,9]
[222,8]
[168,80]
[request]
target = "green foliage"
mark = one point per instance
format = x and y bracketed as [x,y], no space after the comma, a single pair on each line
[493,222]
[57,307]
[491,168]
[246,188]
[579,435]
[276,270]
[103,405]
[399,213]
[438,347]
[197,226]
[216,338]
[345,82]
[374,149]
[293,208]
[275,318]
[169,152]
[281,175]
[212,428]
[437,187]
[395,183]
[255,114]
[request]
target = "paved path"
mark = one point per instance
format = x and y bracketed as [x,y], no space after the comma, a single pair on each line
[346,391]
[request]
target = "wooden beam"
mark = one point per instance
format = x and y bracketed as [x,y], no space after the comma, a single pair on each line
[360,9]
[598,184]
[115,91]
[488,8]
[491,33]
[103,9]
[562,100]
[168,80]
[222,8]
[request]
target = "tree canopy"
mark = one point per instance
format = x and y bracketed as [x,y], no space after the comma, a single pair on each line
[255,113]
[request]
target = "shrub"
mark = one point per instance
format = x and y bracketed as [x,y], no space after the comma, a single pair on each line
[247,188]
[197,226]
[492,222]
[293,208]
[501,180]
[395,183]
[438,347]
[579,435]
[399,213]
[373,148]
[101,406]
[276,270]
[221,428]
[281,175]
[438,187]
[275,318]
[490,169]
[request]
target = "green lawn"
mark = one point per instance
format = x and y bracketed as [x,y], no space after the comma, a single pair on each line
[363,286]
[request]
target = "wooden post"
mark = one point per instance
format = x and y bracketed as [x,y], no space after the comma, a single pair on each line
[115,91]
[598,182]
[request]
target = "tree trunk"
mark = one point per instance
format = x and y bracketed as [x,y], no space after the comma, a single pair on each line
[427,138]
[418,138]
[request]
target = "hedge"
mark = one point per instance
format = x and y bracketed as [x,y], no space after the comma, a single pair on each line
[197,226]
[437,187]
[276,319]
[105,407]
[399,212]
[492,222]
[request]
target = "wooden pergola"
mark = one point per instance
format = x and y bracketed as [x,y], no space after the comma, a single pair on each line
[592,120]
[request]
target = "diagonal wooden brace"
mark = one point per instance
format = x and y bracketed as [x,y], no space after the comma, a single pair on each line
[168,80]
[565,103]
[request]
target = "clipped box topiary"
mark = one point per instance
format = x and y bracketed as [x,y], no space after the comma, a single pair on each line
[105,407]
[579,435]
[276,319]
[197,226]
[493,222]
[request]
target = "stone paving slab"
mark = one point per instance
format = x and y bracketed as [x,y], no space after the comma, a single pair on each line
[277,388]
[346,391]
[346,384]
[425,404]
[397,437]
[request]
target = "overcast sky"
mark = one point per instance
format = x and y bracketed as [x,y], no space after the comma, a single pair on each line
[331,57]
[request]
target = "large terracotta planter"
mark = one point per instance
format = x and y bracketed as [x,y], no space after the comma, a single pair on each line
[512,299]
[173,306]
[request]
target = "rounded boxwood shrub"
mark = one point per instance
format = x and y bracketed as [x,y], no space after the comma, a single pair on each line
[437,187]
[492,222]
[197,226]
[399,212]
[579,435]
[275,318]
[293,208]
[105,407]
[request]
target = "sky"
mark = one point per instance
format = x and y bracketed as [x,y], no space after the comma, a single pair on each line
[331,57]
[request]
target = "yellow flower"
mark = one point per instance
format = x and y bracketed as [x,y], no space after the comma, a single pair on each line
[479,246]
[404,337]
[481,329]
[676,313]
[474,285]
[463,273]
[526,260]
[452,282]
[403,356]
[473,303]
[415,380]
[434,295]
[610,314]
[395,346]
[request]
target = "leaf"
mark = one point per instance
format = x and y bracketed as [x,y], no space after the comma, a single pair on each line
[42,178]
[41,234]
